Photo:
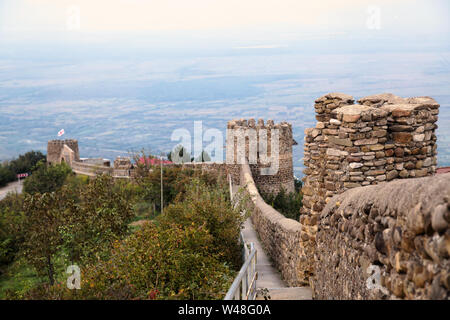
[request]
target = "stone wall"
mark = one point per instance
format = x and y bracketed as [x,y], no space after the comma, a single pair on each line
[245,136]
[90,169]
[279,235]
[400,228]
[55,150]
[383,137]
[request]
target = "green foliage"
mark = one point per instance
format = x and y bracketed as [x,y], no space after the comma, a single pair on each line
[27,162]
[81,223]
[24,164]
[175,181]
[288,204]
[98,217]
[153,263]
[46,178]
[203,205]
[179,155]
[189,252]
[6,174]
[203,157]
[11,228]
[44,218]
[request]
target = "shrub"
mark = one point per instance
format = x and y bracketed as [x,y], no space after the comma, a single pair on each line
[11,228]
[6,174]
[288,204]
[211,207]
[46,178]
[153,263]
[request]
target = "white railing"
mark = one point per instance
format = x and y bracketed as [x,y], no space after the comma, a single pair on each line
[244,285]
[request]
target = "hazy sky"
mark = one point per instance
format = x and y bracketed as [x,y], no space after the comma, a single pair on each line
[40,16]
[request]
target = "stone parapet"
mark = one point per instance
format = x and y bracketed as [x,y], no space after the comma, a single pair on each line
[386,241]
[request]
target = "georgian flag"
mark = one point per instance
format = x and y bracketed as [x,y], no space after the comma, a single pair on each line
[61,132]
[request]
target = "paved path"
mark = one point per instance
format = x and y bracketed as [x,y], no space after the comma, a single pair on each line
[12,186]
[268,276]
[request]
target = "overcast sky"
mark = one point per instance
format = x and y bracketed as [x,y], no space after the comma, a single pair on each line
[44,16]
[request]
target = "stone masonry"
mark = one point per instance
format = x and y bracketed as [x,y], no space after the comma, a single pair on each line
[55,150]
[386,241]
[383,137]
[249,134]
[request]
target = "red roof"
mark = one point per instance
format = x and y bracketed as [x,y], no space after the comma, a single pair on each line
[442,170]
[153,161]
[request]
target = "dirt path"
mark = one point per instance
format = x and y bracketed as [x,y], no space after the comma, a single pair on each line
[12,186]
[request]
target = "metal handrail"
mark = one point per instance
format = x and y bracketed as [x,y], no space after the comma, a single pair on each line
[244,285]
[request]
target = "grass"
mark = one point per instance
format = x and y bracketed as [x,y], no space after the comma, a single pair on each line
[21,277]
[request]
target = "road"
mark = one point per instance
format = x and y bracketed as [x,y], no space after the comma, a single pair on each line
[12,186]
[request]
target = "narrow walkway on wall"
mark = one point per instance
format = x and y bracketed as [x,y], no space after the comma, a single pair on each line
[268,277]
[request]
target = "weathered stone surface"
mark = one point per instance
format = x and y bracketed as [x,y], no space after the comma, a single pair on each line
[340,142]
[402,137]
[438,221]
[412,260]
[387,146]
[391,175]
[366,141]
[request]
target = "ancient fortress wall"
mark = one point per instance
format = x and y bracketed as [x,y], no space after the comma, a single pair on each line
[55,150]
[280,236]
[244,138]
[399,231]
[382,138]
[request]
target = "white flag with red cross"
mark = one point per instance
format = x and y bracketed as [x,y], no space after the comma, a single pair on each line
[61,132]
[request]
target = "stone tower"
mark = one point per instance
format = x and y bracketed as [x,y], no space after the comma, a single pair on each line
[271,166]
[62,150]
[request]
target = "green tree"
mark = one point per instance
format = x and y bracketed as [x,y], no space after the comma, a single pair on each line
[179,155]
[203,157]
[95,218]
[6,174]
[27,162]
[46,178]
[11,228]
[43,239]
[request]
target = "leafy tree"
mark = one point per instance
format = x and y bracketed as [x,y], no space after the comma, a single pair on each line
[190,252]
[203,157]
[27,162]
[11,228]
[211,207]
[95,218]
[179,155]
[288,204]
[46,178]
[43,239]
[6,174]
[153,263]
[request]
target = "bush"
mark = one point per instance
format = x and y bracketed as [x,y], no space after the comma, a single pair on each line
[46,178]
[153,263]
[80,225]
[288,204]
[6,174]
[11,228]
[189,252]
[26,163]
[211,207]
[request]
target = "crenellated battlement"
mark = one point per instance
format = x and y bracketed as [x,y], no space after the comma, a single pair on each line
[382,138]
[268,149]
